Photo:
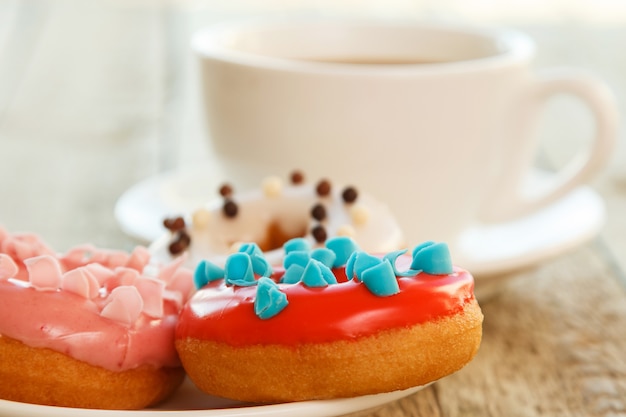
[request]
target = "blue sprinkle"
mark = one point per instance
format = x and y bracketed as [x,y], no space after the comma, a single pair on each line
[297,244]
[343,247]
[325,256]
[206,272]
[269,299]
[364,261]
[293,274]
[327,274]
[200,278]
[392,257]
[260,265]
[250,248]
[419,248]
[381,280]
[241,282]
[313,276]
[433,258]
[350,265]
[238,270]
[296,257]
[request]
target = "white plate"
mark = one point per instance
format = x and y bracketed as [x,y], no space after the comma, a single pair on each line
[486,250]
[189,402]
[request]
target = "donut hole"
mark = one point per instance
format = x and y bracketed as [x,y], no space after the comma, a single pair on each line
[268,222]
[276,235]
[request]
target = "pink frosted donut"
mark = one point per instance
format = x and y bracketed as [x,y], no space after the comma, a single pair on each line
[90,328]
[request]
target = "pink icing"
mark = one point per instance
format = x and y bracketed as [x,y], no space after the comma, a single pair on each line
[107,308]
[102,274]
[44,272]
[8,268]
[123,305]
[23,245]
[151,292]
[81,282]
[20,246]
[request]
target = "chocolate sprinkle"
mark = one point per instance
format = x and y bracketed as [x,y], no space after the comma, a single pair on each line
[318,212]
[174,224]
[184,237]
[180,243]
[226,190]
[297,177]
[349,195]
[230,208]
[175,247]
[319,234]
[323,188]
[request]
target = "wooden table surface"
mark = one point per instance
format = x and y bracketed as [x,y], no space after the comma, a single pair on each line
[96,96]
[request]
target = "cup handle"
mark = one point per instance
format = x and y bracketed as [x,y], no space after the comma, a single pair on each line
[522,197]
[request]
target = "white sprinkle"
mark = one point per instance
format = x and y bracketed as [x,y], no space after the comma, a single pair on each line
[234,248]
[272,187]
[346,230]
[201,218]
[360,215]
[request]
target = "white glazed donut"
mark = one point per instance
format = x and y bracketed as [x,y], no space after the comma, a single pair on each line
[275,213]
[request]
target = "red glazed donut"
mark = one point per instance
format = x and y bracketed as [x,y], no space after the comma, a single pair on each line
[91,328]
[331,322]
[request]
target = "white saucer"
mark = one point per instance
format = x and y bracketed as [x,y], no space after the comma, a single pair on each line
[496,249]
[141,209]
[486,250]
[188,401]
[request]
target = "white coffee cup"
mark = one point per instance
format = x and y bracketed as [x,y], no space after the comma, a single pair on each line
[446,143]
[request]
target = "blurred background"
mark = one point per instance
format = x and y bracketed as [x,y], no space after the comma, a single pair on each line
[115,81]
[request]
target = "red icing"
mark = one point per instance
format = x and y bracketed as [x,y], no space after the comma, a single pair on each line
[343,311]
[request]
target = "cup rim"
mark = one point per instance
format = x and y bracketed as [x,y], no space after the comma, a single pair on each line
[205,43]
